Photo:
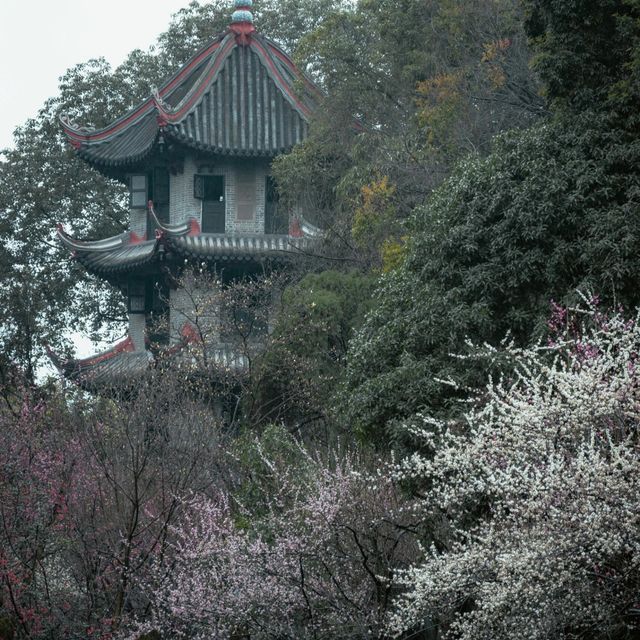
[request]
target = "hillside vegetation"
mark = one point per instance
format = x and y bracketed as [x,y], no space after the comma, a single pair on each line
[441,437]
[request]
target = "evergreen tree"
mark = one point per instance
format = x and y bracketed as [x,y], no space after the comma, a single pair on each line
[552,209]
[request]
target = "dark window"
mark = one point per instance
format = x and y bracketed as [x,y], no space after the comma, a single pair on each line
[158,313]
[210,189]
[139,191]
[275,219]
[160,185]
[151,298]
[160,197]
[136,297]
[198,187]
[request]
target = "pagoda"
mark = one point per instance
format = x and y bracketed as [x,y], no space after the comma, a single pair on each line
[196,157]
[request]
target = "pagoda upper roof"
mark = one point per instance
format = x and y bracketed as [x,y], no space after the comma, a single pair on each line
[241,95]
[127,252]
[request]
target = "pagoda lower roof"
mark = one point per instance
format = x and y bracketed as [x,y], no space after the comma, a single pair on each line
[237,247]
[114,367]
[124,259]
[127,253]
[121,365]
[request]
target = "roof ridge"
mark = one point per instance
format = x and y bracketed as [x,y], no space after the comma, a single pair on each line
[199,86]
[77,132]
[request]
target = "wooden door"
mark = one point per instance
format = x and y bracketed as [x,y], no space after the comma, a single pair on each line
[275,219]
[213,204]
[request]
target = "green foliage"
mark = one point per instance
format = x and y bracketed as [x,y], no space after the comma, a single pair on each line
[393,254]
[411,88]
[308,176]
[41,183]
[323,310]
[286,21]
[306,355]
[587,51]
[551,209]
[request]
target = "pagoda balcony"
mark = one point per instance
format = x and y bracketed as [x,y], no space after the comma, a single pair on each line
[127,253]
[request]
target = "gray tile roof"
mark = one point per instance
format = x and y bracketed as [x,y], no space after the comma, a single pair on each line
[244,110]
[230,99]
[110,256]
[238,247]
[120,255]
[127,258]
[114,367]
[120,366]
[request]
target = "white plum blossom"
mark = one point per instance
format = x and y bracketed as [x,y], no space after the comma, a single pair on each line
[541,488]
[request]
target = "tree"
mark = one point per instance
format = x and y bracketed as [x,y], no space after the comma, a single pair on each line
[539,486]
[41,183]
[305,356]
[88,492]
[147,450]
[551,209]
[411,87]
[41,469]
[586,53]
[313,561]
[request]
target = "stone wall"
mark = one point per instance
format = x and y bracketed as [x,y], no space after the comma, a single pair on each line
[137,330]
[184,206]
[138,222]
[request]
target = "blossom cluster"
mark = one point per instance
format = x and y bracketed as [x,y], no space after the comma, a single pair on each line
[541,489]
[311,567]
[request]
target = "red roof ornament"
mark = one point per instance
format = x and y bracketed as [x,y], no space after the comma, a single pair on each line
[242,22]
[295,230]
[243,31]
[134,238]
[189,333]
[195,229]
[161,108]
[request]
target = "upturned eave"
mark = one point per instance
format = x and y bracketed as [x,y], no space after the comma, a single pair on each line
[239,96]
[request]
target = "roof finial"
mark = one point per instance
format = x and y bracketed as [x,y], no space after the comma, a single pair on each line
[242,21]
[242,11]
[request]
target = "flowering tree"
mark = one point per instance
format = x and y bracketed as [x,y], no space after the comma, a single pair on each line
[541,492]
[39,475]
[316,564]
[88,489]
[145,450]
